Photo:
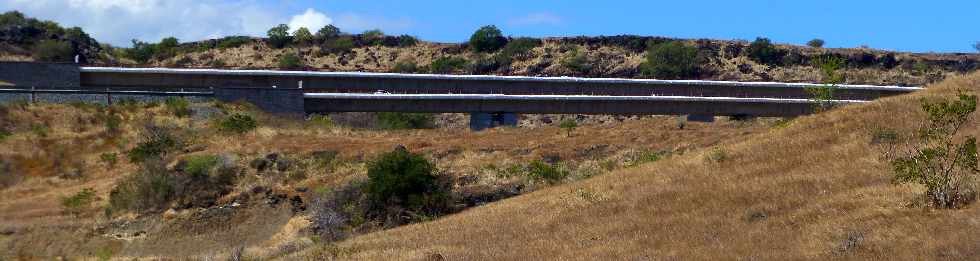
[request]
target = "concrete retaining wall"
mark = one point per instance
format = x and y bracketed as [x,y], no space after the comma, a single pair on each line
[41,75]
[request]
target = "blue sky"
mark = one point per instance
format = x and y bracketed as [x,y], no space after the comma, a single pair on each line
[920,26]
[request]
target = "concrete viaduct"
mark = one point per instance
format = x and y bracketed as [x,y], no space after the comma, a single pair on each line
[491,100]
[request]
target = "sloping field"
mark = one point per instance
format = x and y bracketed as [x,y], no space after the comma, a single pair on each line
[816,189]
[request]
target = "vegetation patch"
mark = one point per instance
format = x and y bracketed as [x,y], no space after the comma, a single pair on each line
[155,142]
[79,202]
[941,160]
[401,120]
[238,123]
[671,60]
[178,106]
[550,173]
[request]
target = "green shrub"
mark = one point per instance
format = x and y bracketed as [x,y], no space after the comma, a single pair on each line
[372,37]
[290,61]
[39,130]
[200,164]
[541,171]
[815,43]
[942,161]
[484,65]
[576,61]
[238,123]
[829,66]
[178,106]
[445,65]
[109,159]
[407,180]
[4,134]
[279,36]
[303,36]
[150,189]
[517,49]
[53,51]
[401,120]
[233,42]
[405,66]
[339,45]
[141,52]
[155,142]
[487,39]
[113,123]
[763,51]
[671,60]
[646,157]
[407,40]
[77,203]
[167,47]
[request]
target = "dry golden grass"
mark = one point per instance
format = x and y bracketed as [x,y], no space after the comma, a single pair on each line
[816,189]
[33,219]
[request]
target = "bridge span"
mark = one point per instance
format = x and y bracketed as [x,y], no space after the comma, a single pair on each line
[486,97]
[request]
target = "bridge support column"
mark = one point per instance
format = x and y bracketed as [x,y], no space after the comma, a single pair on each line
[484,120]
[284,101]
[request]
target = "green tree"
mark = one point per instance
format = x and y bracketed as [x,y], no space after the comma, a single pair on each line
[303,36]
[487,39]
[941,160]
[167,47]
[763,51]
[279,36]
[53,51]
[568,125]
[671,60]
[141,52]
[815,43]
[327,32]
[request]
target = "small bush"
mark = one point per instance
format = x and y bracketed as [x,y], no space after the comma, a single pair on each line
[4,134]
[407,180]
[815,43]
[942,161]
[150,189]
[155,143]
[401,120]
[279,36]
[763,51]
[233,42]
[517,49]
[672,60]
[407,40]
[238,123]
[178,106]
[576,61]
[646,157]
[405,66]
[53,51]
[39,130]
[339,45]
[200,164]
[109,159]
[541,171]
[290,61]
[829,65]
[484,65]
[113,123]
[487,39]
[446,65]
[372,37]
[77,203]
[569,125]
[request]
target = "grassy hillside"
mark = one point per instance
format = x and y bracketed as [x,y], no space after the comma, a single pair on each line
[817,189]
[53,152]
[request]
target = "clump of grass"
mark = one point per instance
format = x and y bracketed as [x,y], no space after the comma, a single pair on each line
[645,157]
[178,106]
[321,120]
[238,123]
[40,130]
[77,203]
[716,155]
[401,120]
[200,164]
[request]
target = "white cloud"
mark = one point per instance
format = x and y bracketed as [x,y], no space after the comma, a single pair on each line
[544,18]
[119,21]
[311,19]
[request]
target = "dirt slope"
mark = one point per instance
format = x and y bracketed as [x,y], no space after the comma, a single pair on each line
[817,189]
